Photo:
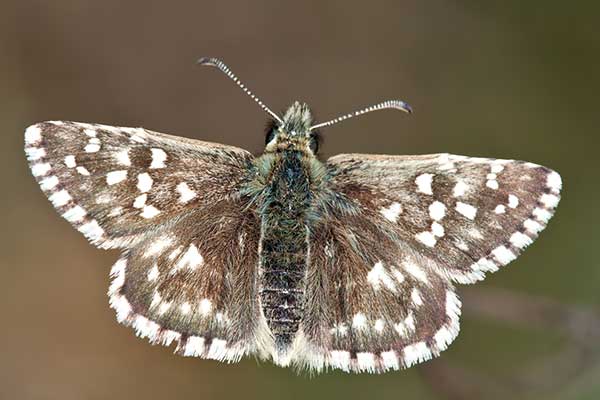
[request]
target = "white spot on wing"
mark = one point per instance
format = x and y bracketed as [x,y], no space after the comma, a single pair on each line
[74,214]
[415,296]
[340,359]
[437,210]
[366,361]
[218,350]
[158,245]
[158,158]
[185,308]
[407,326]
[549,200]
[70,161]
[153,273]
[423,182]
[415,271]
[91,230]
[122,157]
[49,183]
[492,184]
[427,238]
[185,193]
[520,240]
[140,201]
[437,229]
[92,148]
[144,183]
[513,201]
[466,210]
[416,353]
[500,209]
[392,212]
[150,212]
[114,177]
[205,306]
[82,171]
[191,259]
[532,226]
[194,346]
[60,198]
[541,214]
[40,169]
[33,134]
[497,168]
[460,189]
[378,275]
[390,359]
[359,321]
[35,153]
[503,255]
[554,181]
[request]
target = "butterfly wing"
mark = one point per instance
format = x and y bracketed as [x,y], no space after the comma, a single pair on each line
[115,184]
[469,215]
[399,231]
[172,205]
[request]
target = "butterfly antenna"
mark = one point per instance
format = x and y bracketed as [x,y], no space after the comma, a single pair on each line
[215,62]
[394,104]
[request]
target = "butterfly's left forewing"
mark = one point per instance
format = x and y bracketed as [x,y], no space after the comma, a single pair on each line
[173,206]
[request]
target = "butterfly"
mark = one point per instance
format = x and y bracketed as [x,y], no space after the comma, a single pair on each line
[350,263]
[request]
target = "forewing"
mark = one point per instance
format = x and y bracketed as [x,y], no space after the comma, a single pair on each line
[117,184]
[373,304]
[468,215]
[194,283]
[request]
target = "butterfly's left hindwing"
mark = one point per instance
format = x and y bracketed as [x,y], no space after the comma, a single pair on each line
[373,304]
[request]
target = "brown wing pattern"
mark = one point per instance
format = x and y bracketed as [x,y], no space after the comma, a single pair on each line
[187,273]
[115,184]
[183,284]
[469,215]
[372,304]
[399,231]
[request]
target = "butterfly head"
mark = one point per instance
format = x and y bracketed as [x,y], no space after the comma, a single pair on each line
[293,132]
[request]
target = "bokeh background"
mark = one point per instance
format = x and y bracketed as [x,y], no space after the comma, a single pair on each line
[507,79]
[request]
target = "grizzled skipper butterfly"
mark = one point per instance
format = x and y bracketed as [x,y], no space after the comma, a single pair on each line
[349,263]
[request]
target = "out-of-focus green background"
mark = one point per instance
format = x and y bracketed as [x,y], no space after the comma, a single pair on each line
[507,79]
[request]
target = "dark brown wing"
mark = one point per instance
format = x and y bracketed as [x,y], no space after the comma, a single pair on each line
[469,215]
[115,184]
[396,232]
[195,282]
[173,205]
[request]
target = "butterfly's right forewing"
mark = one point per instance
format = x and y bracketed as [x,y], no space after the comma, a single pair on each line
[116,184]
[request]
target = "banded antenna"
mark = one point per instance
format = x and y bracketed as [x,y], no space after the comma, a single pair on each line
[215,62]
[393,104]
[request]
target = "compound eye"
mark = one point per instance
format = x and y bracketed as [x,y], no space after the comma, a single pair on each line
[270,136]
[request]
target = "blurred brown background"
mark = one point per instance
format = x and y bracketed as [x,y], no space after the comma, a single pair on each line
[508,79]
